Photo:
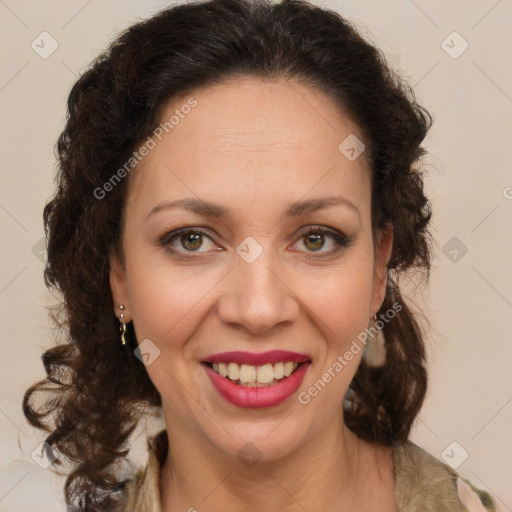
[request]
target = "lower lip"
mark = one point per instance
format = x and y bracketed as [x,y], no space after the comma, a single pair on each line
[258,398]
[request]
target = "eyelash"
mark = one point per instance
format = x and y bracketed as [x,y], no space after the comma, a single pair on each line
[340,240]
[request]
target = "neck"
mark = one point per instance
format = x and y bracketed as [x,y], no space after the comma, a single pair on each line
[334,470]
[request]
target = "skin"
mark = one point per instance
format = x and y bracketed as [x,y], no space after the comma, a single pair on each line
[255,147]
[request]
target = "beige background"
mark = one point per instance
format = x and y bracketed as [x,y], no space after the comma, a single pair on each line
[469,300]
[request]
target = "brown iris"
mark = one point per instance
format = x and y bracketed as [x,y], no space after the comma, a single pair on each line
[191,241]
[317,240]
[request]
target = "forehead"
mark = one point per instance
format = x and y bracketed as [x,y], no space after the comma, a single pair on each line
[250,138]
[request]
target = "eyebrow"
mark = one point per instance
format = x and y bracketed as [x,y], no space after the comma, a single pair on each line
[217,211]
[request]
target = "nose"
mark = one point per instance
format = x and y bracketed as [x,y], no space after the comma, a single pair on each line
[256,297]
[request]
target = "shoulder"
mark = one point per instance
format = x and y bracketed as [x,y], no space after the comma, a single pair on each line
[130,492]
[424,483]
[142,492]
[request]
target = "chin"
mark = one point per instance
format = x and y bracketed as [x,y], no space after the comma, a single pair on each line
[264,441]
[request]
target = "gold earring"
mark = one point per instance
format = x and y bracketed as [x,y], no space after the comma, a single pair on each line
[375,351]
[122,326]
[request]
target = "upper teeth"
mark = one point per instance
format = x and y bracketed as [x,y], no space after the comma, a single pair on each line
[250,374]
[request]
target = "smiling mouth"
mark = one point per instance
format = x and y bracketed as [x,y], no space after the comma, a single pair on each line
[251,376]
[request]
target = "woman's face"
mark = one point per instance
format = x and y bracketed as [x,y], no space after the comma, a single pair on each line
[243,275]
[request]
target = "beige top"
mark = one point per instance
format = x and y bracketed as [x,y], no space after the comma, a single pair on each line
[422,483]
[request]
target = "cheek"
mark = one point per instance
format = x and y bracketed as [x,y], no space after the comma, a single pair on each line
[341,301]
[340,305]
[167,300]
[167,305]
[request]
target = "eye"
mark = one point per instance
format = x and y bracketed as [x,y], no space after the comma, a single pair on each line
[186,240]
[192,240]
[314,239]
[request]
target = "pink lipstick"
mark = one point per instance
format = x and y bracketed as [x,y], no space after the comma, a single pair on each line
[249,394]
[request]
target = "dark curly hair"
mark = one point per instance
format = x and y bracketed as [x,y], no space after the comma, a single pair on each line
[97,390]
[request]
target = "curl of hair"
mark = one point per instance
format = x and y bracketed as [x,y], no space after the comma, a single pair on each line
[100,389]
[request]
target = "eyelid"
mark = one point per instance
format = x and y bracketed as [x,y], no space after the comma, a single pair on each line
[313,228]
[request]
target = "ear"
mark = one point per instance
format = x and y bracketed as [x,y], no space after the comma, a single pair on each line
[380,275]
[118,286]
